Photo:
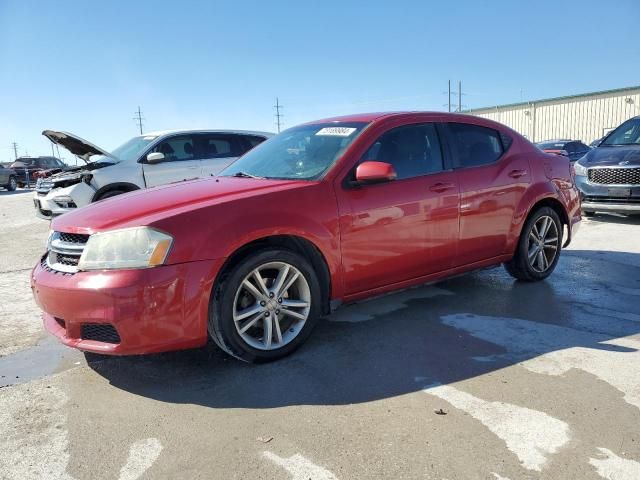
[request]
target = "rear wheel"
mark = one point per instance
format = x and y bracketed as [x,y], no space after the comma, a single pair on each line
[539,246]
[266,307]
[13,184]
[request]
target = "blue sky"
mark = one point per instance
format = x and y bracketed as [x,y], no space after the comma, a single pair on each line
[85,66]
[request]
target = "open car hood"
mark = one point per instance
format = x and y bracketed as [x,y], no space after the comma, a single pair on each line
[75,145]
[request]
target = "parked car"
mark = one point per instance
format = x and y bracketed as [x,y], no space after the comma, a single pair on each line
[8,178]
[26,168]
[608,177]
[145,161]
[324,213]
[574,149]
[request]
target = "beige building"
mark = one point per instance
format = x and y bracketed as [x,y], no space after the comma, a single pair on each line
[585,117]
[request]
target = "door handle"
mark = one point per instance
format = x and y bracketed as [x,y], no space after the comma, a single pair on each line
[517,173]
[441,187]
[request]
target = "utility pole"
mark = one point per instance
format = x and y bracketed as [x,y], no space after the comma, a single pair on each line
[15,149]
[139,118]
[459,93]
[278,115]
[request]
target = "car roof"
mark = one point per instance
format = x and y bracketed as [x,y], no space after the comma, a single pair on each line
[159,133]
[372,116]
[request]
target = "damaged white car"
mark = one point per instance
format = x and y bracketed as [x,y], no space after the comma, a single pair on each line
[145,161]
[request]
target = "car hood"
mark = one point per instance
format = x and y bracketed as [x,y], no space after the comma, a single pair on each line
[144,207]
[75,144]
[612,156]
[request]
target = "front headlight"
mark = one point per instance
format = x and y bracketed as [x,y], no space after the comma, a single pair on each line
[581,170]
[138,247]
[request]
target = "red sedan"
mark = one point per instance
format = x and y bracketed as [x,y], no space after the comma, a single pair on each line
[324,213]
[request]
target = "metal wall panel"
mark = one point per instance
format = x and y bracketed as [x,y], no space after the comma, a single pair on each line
[586,117]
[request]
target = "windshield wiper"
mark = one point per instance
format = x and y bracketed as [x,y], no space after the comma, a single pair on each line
[246,175]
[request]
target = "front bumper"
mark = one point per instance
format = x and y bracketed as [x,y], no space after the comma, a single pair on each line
[51,204]
[152,310]
[608,198]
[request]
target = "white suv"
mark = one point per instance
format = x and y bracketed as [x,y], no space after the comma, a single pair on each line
[145,161]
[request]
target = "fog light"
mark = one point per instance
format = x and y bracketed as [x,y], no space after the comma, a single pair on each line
[65,202]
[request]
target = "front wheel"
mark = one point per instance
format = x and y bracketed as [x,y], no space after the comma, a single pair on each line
[109,194]
[266,307]
[539,246]
[12,185]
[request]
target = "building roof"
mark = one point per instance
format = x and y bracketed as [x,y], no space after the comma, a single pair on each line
[555,99]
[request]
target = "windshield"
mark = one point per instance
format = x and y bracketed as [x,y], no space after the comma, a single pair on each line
[300,153]
[626,134]
[130,150]
[551,145]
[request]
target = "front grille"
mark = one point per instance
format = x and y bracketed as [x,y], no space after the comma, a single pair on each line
[65,250]
[67,259]
[44,263]
[74,237]
[100,332]
[614,176]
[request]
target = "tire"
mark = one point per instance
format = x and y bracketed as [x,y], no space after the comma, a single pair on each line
[13,184]
[109,194]
[532,269]
[232,299]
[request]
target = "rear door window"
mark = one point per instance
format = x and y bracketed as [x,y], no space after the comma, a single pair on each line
[219,146]
[475,145]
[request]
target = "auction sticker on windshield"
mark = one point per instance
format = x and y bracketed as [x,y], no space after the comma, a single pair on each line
[336,131]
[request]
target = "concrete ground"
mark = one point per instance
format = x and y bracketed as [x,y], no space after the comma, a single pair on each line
[477,377]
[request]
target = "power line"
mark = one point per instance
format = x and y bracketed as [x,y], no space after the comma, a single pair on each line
[278,115]
[139,118]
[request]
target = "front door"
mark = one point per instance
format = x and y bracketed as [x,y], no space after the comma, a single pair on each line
[405,228]
[180,162]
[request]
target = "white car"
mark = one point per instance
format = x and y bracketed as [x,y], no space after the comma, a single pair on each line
[145,161]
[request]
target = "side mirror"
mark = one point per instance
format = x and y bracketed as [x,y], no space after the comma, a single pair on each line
[375,172]
[155,157]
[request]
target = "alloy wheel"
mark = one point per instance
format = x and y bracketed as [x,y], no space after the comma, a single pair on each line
[12,183]
[543,245]
[271,305]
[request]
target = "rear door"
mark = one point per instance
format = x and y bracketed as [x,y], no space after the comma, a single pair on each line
[217,150]
[405,228]
[492,182]
[180,161]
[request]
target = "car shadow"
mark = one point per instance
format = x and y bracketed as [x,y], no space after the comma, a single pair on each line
[615,218]
[397,344]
